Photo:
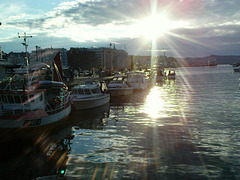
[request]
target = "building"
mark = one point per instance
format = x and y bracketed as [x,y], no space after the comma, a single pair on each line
[141,62]
[111,58]
[1,54]
[122,59]
[103,57]
[82,59]
[17,58]
[5,67]
[46,55]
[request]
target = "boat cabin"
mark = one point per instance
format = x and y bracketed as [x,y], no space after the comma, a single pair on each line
[46,95]
[86,89]
[17,102]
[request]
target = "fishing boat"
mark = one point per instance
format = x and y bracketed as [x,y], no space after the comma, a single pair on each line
[37,102]
[138,80]
[118,86]
[43,103]
[89,95]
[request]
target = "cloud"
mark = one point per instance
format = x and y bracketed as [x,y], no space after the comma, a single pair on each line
[212,25]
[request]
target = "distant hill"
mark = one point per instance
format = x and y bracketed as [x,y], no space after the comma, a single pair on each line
[227,59]
[203,61]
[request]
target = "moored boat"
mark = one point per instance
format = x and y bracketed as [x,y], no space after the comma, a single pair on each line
[88,95]
[119,86]
[236,69]
[138,80]
[171,74]
[158,75]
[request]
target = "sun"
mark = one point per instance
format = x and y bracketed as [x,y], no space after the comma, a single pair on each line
[155,26]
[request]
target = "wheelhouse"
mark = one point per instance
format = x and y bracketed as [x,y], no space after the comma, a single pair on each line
[89,89]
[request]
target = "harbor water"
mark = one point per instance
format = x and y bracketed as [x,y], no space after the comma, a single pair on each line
[187,128]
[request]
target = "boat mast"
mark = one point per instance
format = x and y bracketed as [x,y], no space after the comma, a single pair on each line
[53,64]
[26,56]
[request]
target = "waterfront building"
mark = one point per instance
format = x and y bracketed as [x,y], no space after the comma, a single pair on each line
[47,54]
[111,58]
[122,59]
[1,54]
[104,56]
[5,67]
[141,61]
[17,58]
[82,59]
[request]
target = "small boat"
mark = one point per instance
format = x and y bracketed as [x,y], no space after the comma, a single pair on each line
[236,64]
[171,74]
[138,80]
[236,69]
[158,75]
[89,95]
[119,86]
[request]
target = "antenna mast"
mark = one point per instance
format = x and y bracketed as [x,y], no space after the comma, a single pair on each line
[26,57]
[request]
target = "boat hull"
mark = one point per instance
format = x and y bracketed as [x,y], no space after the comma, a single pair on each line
[171,77]
[236,69]
[120,91]
[89,103]
[34,119]
[138,86]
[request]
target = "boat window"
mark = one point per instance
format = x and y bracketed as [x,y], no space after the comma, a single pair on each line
[24,98]
[74,91]
[40,97]
[87,91]
[4,99]
[10,99]
[17,99]
[80,91]
[95,90]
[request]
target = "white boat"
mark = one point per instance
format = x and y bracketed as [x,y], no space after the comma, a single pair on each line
[236,69]
[119,86]
[36,104]
[138,80]
[158,75]
[236,64]
[171,74]
[89,95]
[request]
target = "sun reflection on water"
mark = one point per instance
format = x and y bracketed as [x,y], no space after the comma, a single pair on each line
[154,103]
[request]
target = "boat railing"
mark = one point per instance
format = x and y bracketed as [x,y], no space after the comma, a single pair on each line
[16,110]
[47,106]
[53,108]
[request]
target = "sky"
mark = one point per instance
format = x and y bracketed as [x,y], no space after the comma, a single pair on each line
[178,28]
